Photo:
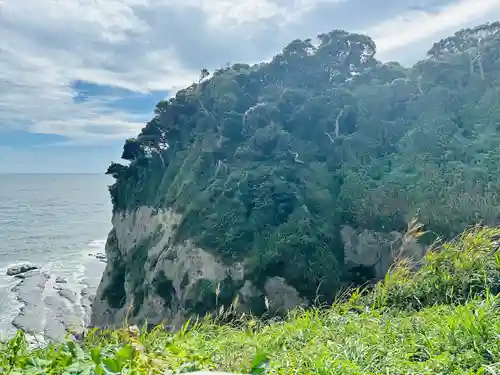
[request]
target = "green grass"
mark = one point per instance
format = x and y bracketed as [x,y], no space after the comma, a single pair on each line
[443,318]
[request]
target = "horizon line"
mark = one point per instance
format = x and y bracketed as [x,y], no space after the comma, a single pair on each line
[53,173]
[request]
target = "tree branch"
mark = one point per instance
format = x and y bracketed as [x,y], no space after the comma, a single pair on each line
[337,125]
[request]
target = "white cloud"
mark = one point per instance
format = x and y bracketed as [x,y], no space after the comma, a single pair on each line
[143,45]
[411,27]
[44,47]
[222,12]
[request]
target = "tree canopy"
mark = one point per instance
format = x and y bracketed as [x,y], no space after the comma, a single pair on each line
[268,162]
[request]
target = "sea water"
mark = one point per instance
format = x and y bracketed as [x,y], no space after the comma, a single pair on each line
[57,222]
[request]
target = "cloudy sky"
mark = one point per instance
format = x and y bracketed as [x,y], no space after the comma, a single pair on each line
[78,76]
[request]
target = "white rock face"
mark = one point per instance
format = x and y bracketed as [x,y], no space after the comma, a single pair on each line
[375,249]
[150,277]
[172,277]
[282,297]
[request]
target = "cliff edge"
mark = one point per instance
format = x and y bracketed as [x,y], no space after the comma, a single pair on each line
[279,183]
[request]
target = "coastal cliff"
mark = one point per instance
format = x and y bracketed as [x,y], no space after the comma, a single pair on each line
[278,184]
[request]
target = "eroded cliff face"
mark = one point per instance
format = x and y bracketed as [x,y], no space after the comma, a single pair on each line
[147,277]
[150,278]
[377,251]
[281,183]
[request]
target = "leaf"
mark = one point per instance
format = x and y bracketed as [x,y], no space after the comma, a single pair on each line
[95,354]
[260,363]
[125,354]
[75,350]
[78,368]
[39,363]
[112,365]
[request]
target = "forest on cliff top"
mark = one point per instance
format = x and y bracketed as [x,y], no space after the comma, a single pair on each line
[267,162]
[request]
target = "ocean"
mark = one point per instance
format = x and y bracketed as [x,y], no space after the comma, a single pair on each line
[57,222]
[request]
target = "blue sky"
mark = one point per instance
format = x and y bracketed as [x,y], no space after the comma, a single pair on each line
[77,76]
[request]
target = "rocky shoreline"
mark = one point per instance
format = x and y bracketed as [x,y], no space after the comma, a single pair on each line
[51,306]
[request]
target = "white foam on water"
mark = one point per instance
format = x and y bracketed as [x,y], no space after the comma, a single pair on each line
[10,305]
[99,244]
[72,267]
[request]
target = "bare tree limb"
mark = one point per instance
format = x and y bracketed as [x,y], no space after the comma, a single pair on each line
[337,125]
[419,84]
[329,137]
[296,157]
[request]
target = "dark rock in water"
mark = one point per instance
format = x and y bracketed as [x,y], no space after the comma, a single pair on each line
[52,306]
[86,301]
[68,294]
[61,280]
[30,293]
[20,268]
[102,257]
[26,274]
[65,316]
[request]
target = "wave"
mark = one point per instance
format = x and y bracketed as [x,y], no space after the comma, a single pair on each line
[99,244]
[79,270]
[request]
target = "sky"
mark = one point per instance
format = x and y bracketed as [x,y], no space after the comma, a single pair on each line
[77,77]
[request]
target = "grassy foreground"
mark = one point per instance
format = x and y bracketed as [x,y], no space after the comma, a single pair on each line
[443,318]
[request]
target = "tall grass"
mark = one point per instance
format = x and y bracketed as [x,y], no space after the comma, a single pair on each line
[453,273]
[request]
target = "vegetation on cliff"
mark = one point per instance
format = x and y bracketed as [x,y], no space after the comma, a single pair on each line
[266,163]
[443,318]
